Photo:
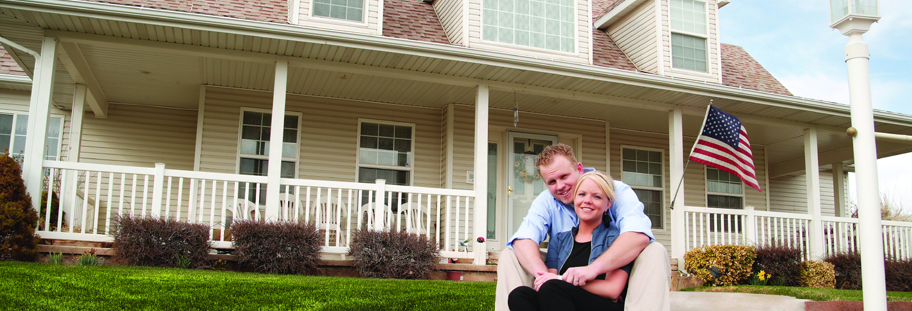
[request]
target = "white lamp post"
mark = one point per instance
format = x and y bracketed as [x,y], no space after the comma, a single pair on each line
[853,18]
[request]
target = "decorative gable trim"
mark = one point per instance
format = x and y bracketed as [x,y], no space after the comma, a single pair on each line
[621,8]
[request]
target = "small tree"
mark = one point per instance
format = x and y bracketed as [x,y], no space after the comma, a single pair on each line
[17,217]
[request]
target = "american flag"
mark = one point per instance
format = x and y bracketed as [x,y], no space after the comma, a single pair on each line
[723,144]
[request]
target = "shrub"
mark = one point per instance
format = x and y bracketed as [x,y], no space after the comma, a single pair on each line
[55,208]
[17,217]
[276,247]
[720,264]
[817,274]
[155,241]
[898,275]
[780,262]
[847,267]
[392,254]
[88,259]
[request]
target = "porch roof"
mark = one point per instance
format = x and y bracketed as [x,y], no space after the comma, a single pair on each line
[137,53]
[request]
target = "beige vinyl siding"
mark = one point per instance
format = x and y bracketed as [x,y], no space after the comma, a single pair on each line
[635,34]
[328,134]
[583,37]
[790,194]
[370,25]
[712,58]
[450,13]
[140,136]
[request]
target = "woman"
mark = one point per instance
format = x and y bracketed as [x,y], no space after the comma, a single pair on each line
[593,195]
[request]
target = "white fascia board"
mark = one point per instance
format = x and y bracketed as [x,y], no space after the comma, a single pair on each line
[15,79]
[432,50]
[617,13]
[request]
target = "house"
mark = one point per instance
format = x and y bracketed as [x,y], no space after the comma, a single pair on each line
[419,115]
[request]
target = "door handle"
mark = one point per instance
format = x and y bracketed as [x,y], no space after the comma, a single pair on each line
[509,191]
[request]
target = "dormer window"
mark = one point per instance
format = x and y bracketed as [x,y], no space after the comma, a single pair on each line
[689,35]
[545,24]
[351,10]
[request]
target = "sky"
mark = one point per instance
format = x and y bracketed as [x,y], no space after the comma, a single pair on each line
[793,41]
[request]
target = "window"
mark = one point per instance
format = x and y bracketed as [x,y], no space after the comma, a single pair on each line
[254,149]
[546,24]
[688,35]
[351,10]
[642,170]
[723,190]
[385,152]
[13,128]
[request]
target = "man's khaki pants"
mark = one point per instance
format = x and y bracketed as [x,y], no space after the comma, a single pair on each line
[647,288]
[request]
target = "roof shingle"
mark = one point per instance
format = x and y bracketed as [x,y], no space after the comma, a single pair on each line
[739,69]
[606,53]
[265,11]
[8,65]
[413,20]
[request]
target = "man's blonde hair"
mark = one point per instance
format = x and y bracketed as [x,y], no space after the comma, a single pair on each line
[604,181]
[547,156]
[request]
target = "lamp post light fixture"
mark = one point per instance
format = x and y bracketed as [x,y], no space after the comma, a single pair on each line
[853,18]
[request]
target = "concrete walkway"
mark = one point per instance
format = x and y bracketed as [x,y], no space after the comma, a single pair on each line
[701,301]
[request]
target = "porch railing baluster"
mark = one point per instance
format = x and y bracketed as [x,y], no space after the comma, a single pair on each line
[95,222]
[85,200]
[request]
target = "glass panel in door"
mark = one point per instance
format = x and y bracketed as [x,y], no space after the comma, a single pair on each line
[524,181]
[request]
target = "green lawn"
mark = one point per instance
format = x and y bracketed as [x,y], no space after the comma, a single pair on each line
[38,286]
[817,294]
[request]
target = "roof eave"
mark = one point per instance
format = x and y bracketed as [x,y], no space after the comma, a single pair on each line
[616,13]
[437,50]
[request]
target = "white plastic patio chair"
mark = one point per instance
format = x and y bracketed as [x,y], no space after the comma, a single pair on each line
[368,211]
[415,217]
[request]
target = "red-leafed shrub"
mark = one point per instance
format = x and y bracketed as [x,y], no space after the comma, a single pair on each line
[848,269]
[158,242]
[17,217]
[391,254]
[781,262]
[276,247]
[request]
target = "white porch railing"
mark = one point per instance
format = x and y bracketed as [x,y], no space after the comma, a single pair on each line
[715,226]
[92,195]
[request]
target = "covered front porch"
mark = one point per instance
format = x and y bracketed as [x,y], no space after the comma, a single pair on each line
[154,125]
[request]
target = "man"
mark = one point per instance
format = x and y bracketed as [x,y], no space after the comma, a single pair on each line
[552,212]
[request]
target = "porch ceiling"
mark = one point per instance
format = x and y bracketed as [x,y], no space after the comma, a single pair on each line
[161,59]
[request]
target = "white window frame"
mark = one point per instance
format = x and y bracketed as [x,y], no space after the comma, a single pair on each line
[660,189]
[364,14]
[358,165]
[690,34]
[708,193]
[15,114]
[240,131]
[575,36]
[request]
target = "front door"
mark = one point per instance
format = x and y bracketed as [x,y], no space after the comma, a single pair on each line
[524,182]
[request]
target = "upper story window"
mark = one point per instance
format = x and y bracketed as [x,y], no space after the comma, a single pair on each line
[545,24]
[642,170]
[723,189]
[689,35]
[13,129]
[351,10]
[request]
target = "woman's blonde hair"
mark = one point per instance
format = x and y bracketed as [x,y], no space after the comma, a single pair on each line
[604,181]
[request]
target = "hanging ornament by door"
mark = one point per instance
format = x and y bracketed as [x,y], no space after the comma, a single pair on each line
[515,110]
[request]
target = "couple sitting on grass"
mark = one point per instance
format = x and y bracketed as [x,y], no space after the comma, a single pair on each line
[601,255]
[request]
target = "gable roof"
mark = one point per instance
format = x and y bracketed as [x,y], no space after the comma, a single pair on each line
[606,53]
[602,7]
[413,20]
[739,69]
[8,65]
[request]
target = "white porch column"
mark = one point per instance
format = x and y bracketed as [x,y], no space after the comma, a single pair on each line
[481,173]
[76,116]
[276,135]
[450,133]
[39,113]
[676,168]
[812,182]
[839,189]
